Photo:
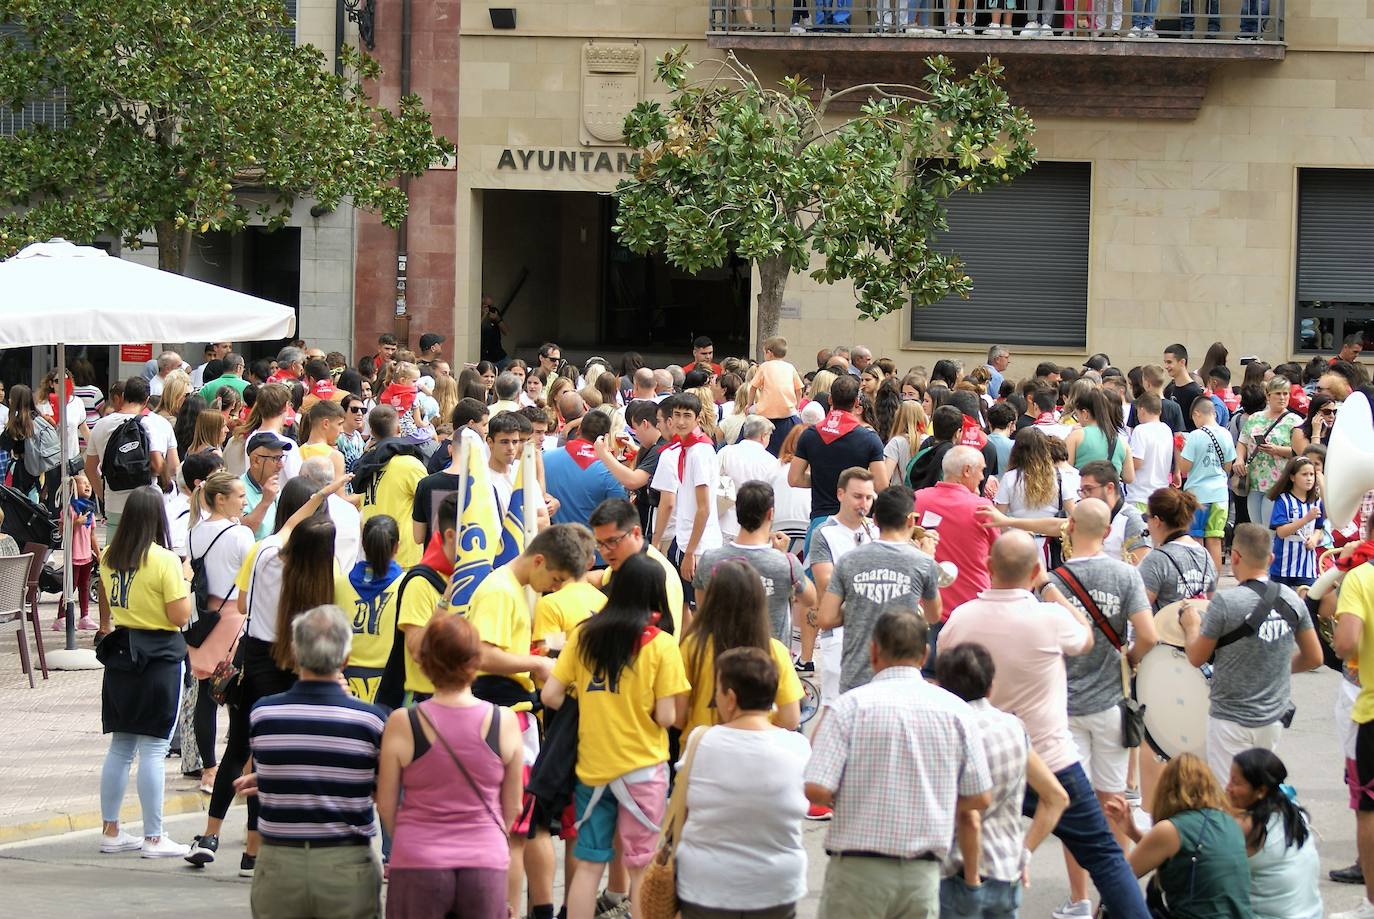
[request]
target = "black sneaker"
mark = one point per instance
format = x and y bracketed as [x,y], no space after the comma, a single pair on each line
[1352,875]
[203,849]
[805,666]
[246,865]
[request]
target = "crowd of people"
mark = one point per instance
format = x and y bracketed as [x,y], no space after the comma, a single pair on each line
[968,564]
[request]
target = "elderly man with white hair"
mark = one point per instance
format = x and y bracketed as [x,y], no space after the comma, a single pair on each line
[347,519]
[747,460]
[317,823]
[950,509]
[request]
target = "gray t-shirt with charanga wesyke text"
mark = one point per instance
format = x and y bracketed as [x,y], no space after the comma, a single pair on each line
[869,579]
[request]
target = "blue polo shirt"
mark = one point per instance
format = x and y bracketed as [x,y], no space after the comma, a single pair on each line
[578,490]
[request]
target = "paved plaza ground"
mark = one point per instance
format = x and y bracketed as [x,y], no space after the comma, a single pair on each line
[51,749]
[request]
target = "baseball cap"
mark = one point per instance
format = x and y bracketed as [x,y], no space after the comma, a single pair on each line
[429,340]
[1098,362]
[270,441]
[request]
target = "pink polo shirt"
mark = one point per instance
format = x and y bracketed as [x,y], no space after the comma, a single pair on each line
[1028,641]
[963,540]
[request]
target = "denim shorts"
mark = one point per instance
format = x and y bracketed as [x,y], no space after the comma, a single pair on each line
[989,900]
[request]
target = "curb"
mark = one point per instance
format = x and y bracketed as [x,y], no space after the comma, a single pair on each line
[184,802]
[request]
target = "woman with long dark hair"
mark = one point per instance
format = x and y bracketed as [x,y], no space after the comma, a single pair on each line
[1097,436]
[1316,428]
[734,614]
[269,595]
[14,438]
[1283,854]
[185,422]
[147,600]
[1034,489]
[886,401]
[630,687]
[368,591]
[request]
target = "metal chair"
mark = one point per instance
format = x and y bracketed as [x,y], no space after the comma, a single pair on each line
[14,578]
[39,553]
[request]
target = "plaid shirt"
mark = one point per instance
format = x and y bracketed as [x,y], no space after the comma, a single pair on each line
[1003,837]
[898,753]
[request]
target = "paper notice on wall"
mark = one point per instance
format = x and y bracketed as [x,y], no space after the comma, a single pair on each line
[790,309]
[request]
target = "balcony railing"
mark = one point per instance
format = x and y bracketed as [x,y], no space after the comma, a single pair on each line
[1093,20]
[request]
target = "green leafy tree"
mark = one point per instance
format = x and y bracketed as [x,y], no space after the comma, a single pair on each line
[733,165]
[185,117]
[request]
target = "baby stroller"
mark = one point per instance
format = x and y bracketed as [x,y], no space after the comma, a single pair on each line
[27,521]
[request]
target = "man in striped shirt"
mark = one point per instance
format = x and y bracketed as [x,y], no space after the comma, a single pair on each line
[315,752]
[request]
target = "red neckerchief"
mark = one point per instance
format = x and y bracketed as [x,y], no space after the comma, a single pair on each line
[435,557]
[835,425]
[281,376]
[1045,418]
[324,390]
[972,435]
[400,396]
[581,451]
[649,631]
[52,400]
[687,443]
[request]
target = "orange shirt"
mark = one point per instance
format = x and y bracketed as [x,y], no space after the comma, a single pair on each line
[777,387]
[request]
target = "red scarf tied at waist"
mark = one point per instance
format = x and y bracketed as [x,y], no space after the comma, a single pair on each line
[687,443]
[581,451]
[835,425]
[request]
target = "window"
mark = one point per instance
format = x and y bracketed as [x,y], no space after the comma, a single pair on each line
[1335,289]
[1025,245]
[49,110]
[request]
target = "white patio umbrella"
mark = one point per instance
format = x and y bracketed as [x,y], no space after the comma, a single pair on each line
[57,293]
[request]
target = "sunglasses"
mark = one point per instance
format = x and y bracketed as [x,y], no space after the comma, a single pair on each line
[1326,411]
[358,410]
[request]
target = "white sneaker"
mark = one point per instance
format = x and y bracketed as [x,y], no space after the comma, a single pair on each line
[1149,32]
[1364,911]
[1029,30]
[1134,33]
[165,847]
[1074,909]
[912,30]
[120,842]
[797,29]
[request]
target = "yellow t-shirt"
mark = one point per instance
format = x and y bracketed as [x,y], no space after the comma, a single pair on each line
[393,494]
[616,731]
[702,711]
[501,615]
[374,631]
[310,451]
[417,608]
[1357,598]
[139,598]
[562,610]
[672,581]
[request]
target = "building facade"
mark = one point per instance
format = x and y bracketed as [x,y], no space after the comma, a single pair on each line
[1189,189]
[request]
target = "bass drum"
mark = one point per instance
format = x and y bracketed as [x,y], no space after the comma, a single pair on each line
[1176,696]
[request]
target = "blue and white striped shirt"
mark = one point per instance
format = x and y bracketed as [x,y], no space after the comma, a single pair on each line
[1292,558]
[315,751]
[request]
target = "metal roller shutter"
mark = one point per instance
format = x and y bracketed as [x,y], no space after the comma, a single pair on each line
[1025,245]
[1336,235]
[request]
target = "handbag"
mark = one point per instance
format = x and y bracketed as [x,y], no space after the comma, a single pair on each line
[226,680]
[1132,712]
[658,887]
[1055,544]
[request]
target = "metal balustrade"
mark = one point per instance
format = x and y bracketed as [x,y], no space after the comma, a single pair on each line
[973,20]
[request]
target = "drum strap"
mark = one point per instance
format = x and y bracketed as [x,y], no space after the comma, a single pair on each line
[1086,601]
[1268,593]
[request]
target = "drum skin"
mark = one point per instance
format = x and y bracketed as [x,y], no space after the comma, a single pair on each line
[1176,696]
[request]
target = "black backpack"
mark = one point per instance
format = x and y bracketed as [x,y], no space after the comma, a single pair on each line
[127,461]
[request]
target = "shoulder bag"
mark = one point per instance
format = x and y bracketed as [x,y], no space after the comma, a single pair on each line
[1132,712]
[658,888]
[226,680]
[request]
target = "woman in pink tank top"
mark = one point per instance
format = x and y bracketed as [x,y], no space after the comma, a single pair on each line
[458,760]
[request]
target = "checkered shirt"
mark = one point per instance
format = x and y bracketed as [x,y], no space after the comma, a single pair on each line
[1003,838]
[898,753]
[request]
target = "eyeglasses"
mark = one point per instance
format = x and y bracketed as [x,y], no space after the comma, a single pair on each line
[606,545]
[270,457]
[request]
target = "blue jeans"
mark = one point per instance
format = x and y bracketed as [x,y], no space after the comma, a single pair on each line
[114,778]
[1260,506]
[1143,13]
[990,900]
[1252,16]
[1185,15]
[832,13]
[1083,830]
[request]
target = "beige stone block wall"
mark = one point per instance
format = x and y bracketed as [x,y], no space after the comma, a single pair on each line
[635,18]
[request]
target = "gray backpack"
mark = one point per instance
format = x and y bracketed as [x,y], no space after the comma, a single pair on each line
[43,449]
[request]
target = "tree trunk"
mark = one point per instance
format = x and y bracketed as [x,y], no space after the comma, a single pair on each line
[773,272]
[173,247]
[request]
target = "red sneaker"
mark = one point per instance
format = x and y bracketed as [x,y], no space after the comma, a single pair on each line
[818,812]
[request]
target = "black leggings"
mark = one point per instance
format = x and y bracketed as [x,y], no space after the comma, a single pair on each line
[206,722]
[261,678]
